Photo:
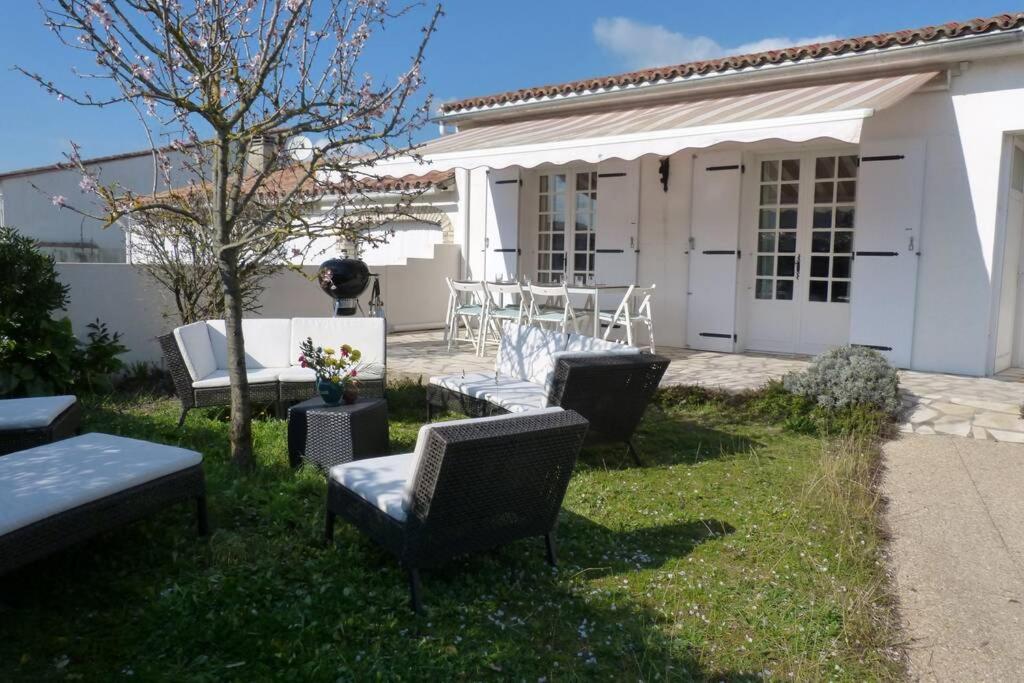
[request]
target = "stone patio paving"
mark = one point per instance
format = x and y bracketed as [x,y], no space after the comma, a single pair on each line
[982,408]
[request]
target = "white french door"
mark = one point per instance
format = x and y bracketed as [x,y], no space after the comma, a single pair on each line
[566,226]
[802,263]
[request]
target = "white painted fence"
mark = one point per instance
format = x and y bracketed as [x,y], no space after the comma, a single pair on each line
[128,301]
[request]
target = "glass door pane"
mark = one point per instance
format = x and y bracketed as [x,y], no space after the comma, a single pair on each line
[551,220]
[831,257]
[777,220]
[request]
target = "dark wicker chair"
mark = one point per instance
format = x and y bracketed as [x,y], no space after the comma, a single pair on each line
[476,484]
[65,425]
[612,391]
[261,392]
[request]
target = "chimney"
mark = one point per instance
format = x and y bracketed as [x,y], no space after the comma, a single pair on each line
[261,154]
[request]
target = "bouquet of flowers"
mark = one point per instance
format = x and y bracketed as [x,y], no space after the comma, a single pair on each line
[341,366]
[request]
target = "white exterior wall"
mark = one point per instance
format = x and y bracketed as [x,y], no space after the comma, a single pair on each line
[123,297]
[27,206]
[965,132]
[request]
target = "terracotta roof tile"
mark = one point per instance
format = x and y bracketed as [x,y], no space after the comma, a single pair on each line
[953,29]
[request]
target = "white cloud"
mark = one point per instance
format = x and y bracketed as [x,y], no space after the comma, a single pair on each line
[641,45]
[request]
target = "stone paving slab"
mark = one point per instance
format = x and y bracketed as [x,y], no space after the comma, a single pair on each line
[957,555]
[934,403]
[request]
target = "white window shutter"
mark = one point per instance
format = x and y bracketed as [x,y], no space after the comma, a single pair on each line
[714,251]
[886,243]
[501,243]
[618,209]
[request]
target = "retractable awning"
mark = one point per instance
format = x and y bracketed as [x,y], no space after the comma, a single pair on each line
[835,111]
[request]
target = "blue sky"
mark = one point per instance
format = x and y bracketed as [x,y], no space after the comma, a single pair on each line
[482,47]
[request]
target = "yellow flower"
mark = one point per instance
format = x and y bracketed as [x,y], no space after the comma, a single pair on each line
[356,355]
[328,350]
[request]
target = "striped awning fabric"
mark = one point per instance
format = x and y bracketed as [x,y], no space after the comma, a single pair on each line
[833,110]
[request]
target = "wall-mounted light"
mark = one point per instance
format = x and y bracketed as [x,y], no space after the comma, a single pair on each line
[663,171]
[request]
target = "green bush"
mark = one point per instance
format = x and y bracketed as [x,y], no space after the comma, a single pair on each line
[847,377]
[36,350]
[39,354]
[98,359]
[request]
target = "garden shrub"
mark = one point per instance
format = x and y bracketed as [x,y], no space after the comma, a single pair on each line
[36,350]
[39,354]
[846,377]
[98,359]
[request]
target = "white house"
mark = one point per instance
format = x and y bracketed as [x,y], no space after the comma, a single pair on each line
[26,203]
[866,191]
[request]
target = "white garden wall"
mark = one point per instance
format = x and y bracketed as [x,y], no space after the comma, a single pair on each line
[122,296]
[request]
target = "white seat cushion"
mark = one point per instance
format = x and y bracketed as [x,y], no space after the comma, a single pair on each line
[40,482]
[219,378]
[32,413]
[514,395]
[196,350]
[379,481]
[366,334]
[296,374]
[266,342]
[526,352]
[300,374]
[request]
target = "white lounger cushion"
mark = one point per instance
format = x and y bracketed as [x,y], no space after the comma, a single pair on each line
[514,395]
[196,350]
[366,334]
[266,343]
[43,481]
[32,413]
[219,378]
[378,481]
[388,482]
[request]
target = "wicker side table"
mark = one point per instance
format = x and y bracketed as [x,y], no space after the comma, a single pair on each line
[326,436]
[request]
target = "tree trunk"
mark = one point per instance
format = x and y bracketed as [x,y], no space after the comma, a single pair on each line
[241,408]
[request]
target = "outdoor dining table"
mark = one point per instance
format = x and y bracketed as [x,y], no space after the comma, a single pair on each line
[592,303]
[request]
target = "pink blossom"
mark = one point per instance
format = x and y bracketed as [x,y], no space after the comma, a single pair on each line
[353,373]
[294,5]
[87,183]
[59,200]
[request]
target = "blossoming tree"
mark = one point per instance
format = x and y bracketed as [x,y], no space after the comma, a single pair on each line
[222,78]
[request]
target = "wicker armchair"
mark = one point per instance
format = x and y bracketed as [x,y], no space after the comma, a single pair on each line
[470,485]
[612,391]
[259,392]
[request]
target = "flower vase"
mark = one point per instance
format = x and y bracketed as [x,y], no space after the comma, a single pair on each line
[350,394]
[330,393]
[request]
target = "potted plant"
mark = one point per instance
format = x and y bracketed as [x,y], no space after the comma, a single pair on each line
[336,371]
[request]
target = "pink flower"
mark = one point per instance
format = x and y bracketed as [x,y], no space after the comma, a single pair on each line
[353,373]
[59,200]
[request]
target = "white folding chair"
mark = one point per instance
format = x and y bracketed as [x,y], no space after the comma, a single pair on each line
[467,302]
[505,301]
[635,308]
[556,308]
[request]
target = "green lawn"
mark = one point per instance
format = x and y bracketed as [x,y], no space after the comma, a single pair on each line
[741,551]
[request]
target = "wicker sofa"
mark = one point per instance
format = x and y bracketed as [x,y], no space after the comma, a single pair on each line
[197,358]
[470,485]
[609,384]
